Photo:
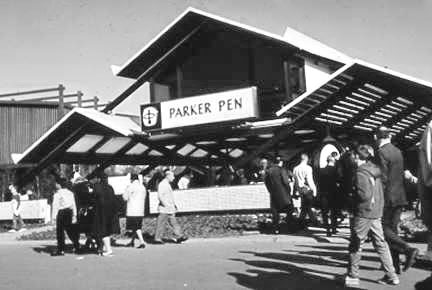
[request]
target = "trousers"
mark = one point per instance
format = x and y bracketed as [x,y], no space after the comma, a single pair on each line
[162,219]
[64,223]
[360,230]
[391,220]
[17,222]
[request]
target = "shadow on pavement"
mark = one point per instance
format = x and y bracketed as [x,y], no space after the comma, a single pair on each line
[342,256]
[287,276]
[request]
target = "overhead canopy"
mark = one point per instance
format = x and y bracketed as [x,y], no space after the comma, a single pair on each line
[196,25]
[360,97]
[354,101]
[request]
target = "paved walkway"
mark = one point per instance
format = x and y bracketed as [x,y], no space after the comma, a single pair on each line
[310,261]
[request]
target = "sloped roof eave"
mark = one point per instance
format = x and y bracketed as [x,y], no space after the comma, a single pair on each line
[301,43]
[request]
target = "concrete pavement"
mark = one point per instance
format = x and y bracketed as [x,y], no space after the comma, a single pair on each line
[309,261]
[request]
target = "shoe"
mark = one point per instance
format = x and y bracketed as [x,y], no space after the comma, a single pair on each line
[22,230]
[411,257]
[386,280]
[58,253]
[350,281]
[12,231]
[181,239]
[142,246]
[107,254]
[158,242]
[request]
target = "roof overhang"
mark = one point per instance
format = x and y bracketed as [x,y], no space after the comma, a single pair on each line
[360,97]
[190,21]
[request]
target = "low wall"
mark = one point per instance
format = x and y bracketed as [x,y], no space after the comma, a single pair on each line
[224,198]
[30,209]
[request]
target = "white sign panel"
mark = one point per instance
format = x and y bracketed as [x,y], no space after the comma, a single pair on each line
[226,198]
[211,108]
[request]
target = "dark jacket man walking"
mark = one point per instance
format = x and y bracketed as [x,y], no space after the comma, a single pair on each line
[277,181]
[392,167]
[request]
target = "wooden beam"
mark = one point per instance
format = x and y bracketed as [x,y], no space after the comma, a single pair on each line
[287,84]
[109,162]
[302,120]
[369,110]
[47,159]
[29,92]
[144,76]
[61,90]
[251,64]
[400,136]
[49,98]
[179,81]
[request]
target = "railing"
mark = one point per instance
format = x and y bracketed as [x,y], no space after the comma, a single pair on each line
[76,99]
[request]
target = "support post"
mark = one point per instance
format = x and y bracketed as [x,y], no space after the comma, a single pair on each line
[152,90]
[61,89]
[251,65]
[79,98]
[179,79]
[95,102]
[287,84]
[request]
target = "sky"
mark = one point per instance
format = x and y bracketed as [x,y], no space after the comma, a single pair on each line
[49,42]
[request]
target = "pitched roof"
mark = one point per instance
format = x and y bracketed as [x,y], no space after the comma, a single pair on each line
[191,19]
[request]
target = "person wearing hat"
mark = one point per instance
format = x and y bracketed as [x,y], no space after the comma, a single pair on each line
[106,206]
[392,167]
[135,195]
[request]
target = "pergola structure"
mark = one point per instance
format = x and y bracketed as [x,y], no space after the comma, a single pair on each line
[350,103]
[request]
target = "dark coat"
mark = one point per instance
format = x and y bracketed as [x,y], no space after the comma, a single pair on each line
[346,169]
[277,182]
[368,196]
[328,181]
[392,168]
[106,209]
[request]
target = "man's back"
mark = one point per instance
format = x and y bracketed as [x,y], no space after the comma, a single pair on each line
[392,167]
[303,176]
[166,197]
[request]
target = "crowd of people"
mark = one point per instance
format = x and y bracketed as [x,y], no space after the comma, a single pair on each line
[91,207]
[367,183]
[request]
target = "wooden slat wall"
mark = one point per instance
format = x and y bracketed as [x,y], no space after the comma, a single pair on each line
[20,126]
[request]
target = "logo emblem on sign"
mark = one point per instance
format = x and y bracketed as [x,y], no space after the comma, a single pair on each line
[150,116]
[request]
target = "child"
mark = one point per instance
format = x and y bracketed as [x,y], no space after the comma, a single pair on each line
[18,223]
[368,210]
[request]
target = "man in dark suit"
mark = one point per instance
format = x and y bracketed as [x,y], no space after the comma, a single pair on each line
[277,181]
[392,167]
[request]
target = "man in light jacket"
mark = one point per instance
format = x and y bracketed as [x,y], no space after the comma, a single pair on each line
[135,195]
[305,185]
[64,212]
[167,210]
